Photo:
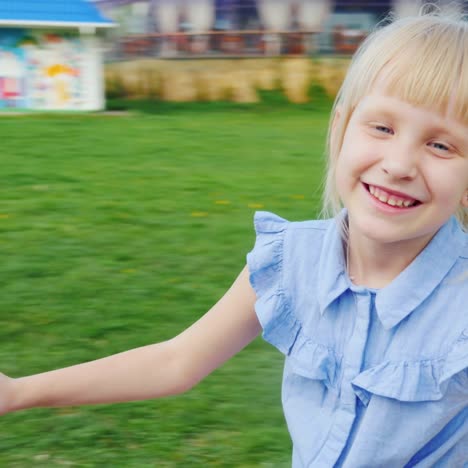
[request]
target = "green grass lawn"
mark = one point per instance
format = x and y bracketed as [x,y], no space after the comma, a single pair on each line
[120,231]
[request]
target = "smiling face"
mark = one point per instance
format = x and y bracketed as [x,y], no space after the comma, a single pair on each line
[422,61]
[402,170]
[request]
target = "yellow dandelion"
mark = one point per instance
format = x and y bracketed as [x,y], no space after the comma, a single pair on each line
[128,271]
[173,280]
[4,216]
[222,202]
[298,197]
[256,206]
[40,187]
[199,214]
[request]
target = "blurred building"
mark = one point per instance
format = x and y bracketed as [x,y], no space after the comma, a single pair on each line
[174,28]
[50,56]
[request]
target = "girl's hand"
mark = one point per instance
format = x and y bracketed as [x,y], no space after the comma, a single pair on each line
[6,394]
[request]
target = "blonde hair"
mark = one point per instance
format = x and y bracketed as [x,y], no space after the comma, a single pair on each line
[426,64]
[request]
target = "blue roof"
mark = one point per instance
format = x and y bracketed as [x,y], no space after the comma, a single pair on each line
[51,13]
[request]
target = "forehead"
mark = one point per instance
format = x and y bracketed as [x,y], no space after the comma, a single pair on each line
[382,102]
[423,64]
[424,88]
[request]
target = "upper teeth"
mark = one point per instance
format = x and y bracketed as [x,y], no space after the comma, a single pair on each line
[392,200]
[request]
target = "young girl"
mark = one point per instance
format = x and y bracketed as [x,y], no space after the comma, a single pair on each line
[369,307]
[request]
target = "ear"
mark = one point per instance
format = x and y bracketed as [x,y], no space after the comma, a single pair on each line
[334,124]
[464,200]
[336,118]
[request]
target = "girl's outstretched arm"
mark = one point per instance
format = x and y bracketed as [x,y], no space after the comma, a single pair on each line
[152,371]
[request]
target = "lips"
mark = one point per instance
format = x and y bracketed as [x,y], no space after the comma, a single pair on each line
[391,198]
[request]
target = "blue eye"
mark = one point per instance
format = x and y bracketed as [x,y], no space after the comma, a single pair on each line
[383,129]
[440,146]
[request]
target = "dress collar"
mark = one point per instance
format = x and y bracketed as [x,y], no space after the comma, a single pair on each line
[332,278]
[408,290]
[420,278]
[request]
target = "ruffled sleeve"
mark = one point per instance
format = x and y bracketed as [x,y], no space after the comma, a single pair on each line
[425,380]
[265,263]
[281,327]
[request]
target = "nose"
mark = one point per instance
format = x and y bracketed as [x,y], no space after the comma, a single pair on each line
[400,160]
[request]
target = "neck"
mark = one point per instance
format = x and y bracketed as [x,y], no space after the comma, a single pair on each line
[375,264]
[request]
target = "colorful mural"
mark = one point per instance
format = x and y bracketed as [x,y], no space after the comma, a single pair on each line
[41,70]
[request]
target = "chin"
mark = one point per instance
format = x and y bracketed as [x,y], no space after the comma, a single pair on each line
[382,231]
[386,232]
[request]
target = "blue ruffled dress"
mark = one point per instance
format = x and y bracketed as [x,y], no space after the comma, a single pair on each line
[372,378]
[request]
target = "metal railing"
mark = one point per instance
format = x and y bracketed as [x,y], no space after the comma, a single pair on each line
[216,44]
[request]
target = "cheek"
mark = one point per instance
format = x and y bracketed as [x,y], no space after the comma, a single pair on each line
[358,150]
[353,161]
[445,183]
[357,155]
[345,174]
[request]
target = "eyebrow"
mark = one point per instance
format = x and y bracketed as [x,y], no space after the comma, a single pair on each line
[380,108]
[377,112]
[381,113]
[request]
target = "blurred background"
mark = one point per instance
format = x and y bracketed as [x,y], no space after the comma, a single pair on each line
[70,55]
[243,28]
[138,138]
